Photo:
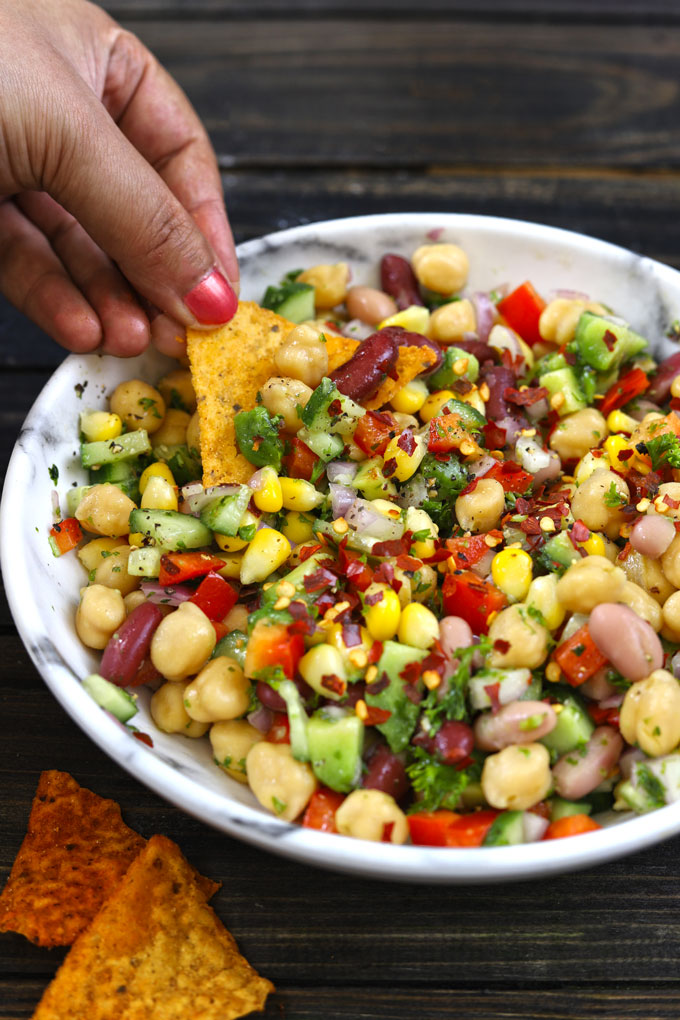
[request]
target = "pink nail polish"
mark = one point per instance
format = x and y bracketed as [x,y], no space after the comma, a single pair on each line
[212,301]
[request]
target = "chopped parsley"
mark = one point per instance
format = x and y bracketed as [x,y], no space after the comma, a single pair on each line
[651,784]
[664,451]
[613,498]
[53,472]
[439,785]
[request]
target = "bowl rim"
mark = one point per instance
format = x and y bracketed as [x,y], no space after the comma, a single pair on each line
[431,865]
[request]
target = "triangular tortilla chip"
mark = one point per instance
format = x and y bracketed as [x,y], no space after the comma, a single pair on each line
[155,951]
[411,361]
[76,850]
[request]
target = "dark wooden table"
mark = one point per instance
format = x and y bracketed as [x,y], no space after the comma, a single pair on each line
[561,111]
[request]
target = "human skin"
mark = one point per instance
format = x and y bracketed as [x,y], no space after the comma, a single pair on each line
[113,230]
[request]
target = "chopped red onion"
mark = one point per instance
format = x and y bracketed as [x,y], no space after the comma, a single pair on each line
[342,498]
[573,295]
[512,428]
[537,410]
[342,471]
[628,759]
[550,472]
[434,234]
[262,719]
[615,701]
[675,665]
[256,480]
[534,827]
[485,314]
[196,496]
[171,595]
[369,522]
[357,329]
[479,467]
[56,511]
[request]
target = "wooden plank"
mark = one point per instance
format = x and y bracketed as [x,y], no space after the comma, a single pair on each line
[276,92]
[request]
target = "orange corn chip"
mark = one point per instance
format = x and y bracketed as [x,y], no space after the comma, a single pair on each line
[75,853]
[410,363]
[155,951]
[339,349]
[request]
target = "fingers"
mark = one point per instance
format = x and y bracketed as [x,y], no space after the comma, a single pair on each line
[154,113]
[168,336]
[33,278]
[124,325]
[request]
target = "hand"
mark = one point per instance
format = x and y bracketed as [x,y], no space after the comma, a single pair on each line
[109,187]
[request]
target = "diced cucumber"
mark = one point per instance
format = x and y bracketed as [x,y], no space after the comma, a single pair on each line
[329,410]
[563,381]
[335,742]
[471,418]
[445,376]
[74,497]
[323,444]
[653,783]
[185,465]
[605,343]
[574,725]
[232,645]
[298,720]
[145,561]
[561,808]
[296,577]
[120,473]
[257,436]
[110,697]
[506,830]
[558,553]
[370,480]
[224,514]
[293,300]
[551,363]
[402,722]
[512,684]
[132,444]
[169,529]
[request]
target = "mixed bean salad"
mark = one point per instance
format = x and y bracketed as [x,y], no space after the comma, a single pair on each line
[454,620]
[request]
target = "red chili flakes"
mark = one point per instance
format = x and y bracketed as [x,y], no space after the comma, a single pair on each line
[672,503]
[385,574]
[375,652]
[408,563]
[625,454]
[143,737]
[375,716]
[379,685]
[319,580]
[373,598]
[609,339]
[335,408]
[411,672]
[526,397]
[530,526]
[494,436]
[579,533]
[394,546]
[388,828]
[493,691]
[308,551]
[360,574]
[302,618]
[502,646]
[351,634]
[625,552]
[414,694]
[406,442]
[389,467]
[333,683]
[470,487]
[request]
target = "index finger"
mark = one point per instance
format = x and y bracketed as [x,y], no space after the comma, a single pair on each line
[154,113]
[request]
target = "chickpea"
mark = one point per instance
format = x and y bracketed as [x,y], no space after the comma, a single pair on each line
[650,714]
[364,814]
[452,320]
[282,396]
[105,510]
[671,513]
[670,562]
[671,617]
[423,583]
[177,390]
[481,509]
[560,317]
[173,430]
[282,785]
[329,282]
[527,640]
[589,582]
[220,691]
[442,268]
[405,421]
[647,573]
[182,642]
[643,604]
[237,619]
[578,433]
[598,501]
[138,404]
[100,613]
[369,305]
[94,552]
[231,740]
[113,571]
[132,600]
[517,777]
[303,356]
[169,714]
[193,438]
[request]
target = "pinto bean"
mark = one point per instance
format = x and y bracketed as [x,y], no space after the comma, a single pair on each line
[129,645]
[577,773]
[628,642]
[369,305]
[407,338]
[454,632]
[360,377]
[386,772]
[652,535]
[598,688]
[399,281]
[514,723]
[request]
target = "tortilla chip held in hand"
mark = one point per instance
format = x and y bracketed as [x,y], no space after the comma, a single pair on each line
[155,951]
[75,853]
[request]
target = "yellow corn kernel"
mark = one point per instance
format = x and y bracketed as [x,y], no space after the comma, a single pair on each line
[136,539]
[159,495]
[675,387]
[512,571]
[98,426]
[234,543]
[415,318]
[319,665]
[411,397]
[269,497]
[588,465]
[298,494]
[232,564]
[417,521]
[406,463]
[418,626]
[387,509]
[268,551]
[474,398]
[542,596]
[297,527]
[352,656]
[434,403]
[381,617]
[614,445]
[619,421]
[594,545]
[156,470]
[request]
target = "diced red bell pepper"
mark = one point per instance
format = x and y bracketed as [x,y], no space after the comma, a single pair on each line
[522,309]
[446,828]
[272,644]
[468,551]
[571,825]
[320,813]
[221,630]
[374,431]
[279,731]
[177,567]
[447,433]
[627,388]
[299,461]
[358,573]
[472,598]
[214,596]
[604,716]
[512,477]
[65,536]
[579,657]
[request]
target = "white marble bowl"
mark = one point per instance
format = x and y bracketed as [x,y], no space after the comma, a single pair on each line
[43,591]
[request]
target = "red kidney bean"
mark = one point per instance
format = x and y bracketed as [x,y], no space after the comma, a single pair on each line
[453,742]
[578,773]
[406,338]
[660,384]
[652,535]
[361,376]
[642,407]
[399,281]
[629,642]
[385,771]
[499,378]
[273,700]
[129,645]
[514,723]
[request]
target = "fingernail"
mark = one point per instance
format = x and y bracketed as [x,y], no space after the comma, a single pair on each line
[212,301]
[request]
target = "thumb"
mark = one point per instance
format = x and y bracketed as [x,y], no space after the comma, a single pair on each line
[125,206]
